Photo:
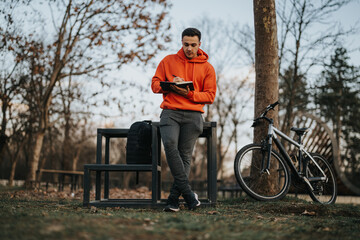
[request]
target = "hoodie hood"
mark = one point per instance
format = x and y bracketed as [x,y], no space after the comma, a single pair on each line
[201,58]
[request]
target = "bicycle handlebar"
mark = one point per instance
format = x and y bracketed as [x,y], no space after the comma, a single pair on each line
[263,115]
[268,108]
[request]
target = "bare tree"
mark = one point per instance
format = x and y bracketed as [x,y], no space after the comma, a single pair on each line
[91,37]
[14,120]
[233,97]
[70,94]
[11,78]
[301,49]
[9,90]
[17,140]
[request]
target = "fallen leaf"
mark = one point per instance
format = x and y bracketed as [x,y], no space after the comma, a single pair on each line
[274,219]
[44,214]
[212,212]
[307,213]
[53,228]
[107,214]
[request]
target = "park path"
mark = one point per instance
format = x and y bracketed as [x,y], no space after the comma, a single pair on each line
[339,200]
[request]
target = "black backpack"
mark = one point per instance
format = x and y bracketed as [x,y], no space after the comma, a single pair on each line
[138,146]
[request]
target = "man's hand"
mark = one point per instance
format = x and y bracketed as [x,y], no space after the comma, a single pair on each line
[178,79]
[181,91]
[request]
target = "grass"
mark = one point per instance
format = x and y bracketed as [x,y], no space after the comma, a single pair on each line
[243,218]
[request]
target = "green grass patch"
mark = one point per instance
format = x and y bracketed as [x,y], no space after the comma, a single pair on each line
[243,218]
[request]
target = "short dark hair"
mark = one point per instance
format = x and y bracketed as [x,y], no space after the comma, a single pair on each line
[191,32]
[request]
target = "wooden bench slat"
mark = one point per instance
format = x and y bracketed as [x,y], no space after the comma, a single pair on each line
[61,171]
[119,167]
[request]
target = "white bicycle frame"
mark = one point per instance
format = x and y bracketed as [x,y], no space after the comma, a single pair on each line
[273,132]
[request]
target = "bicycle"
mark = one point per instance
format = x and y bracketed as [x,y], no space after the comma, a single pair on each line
[266,175]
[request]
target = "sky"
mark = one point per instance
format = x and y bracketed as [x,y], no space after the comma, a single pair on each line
[235,10]
[241,10]
[184,12]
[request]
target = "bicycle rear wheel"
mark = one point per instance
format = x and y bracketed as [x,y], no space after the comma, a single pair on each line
[257,184]
[325,191]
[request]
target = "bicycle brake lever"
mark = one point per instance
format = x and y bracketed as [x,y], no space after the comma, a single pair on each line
[255,122]
[272,106]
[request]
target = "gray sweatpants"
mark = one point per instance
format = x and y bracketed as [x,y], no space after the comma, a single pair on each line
[179,131]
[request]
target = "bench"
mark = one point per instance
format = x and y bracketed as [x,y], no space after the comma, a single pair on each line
[103,167]
[74,178]
[235,190]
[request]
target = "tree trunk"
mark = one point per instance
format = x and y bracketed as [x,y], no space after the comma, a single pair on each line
[68,146]
[39,140]
[67,155]
[3,136]
[14,160]
[34,160]
[12,172]
[76,157]
[126,179]
[267,71]
[43,125]
[266,61]
[40,166]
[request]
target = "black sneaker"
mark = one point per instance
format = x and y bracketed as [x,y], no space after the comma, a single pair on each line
[172,205]
[192,201]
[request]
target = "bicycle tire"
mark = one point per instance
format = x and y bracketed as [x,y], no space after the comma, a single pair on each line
[324,192]
[261,186]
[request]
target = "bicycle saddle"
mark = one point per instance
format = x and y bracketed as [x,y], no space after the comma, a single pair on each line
[300,131]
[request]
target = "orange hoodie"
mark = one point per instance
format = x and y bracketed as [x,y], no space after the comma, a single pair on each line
[198,70]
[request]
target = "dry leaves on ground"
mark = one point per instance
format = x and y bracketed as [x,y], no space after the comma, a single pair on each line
[114,193]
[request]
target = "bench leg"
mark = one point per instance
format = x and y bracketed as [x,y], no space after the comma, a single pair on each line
[211,168]
[98,186]
[156,160]
[87,184]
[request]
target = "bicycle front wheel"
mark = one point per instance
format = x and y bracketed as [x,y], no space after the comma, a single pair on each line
[260,185]
[324,191]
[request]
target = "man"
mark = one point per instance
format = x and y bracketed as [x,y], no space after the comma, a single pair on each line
[181,121]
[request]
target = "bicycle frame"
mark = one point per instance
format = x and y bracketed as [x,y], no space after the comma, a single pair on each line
[272,135]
